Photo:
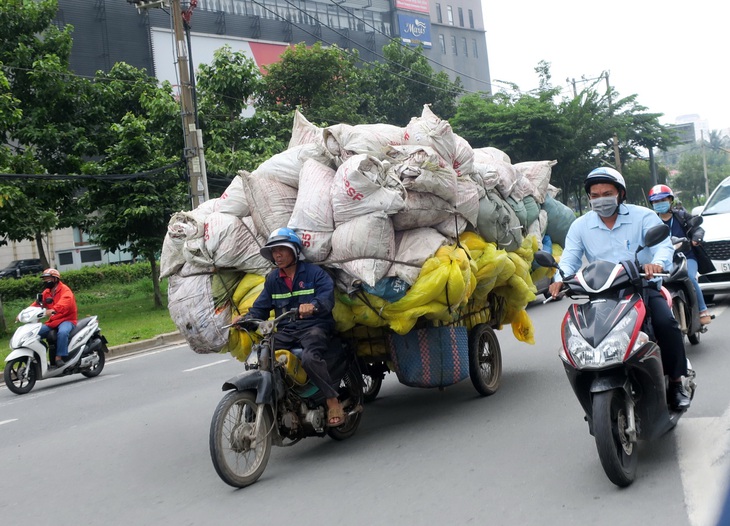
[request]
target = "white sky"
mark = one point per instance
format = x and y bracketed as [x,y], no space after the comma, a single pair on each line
[674,55]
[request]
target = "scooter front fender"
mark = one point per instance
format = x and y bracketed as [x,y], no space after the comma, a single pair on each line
[601,384]
[257,380]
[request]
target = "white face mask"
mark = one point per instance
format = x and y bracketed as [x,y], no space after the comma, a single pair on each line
[605,206]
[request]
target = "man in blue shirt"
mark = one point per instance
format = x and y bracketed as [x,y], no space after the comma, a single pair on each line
[613,231]
[296,284]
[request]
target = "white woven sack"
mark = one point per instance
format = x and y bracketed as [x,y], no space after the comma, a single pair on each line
[463,156]
[538,172]
[467,201]
[372,139]
[489,153]
[414,247]
[304,132]
[453,227]
[313,208]
[534,230]
[171,257]
[421,169]
[229,242]
[364,247]
[507,177]
[422,209]
[522,188]
[285,166]
[187,225]
[488,175]
[429,130]
[271,203]
[233,201]
[363,185]
[316,246]
[191,306]
[249,257]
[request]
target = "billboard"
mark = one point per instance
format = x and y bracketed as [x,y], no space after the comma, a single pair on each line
[415,30]
[412,5]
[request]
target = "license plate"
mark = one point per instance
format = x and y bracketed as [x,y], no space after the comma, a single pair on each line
[725,267]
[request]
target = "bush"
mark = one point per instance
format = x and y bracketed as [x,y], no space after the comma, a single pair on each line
[28,286]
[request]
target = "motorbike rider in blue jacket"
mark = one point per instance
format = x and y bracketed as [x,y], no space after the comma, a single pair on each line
[296,284]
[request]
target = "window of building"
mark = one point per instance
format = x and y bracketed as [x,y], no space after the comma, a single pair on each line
[442,41]
[450,15]
[474,52]
[90,256]
[65,258]
[80,237]
[464,47]
[471,19]
[439,18]
[453,46]
[461,17]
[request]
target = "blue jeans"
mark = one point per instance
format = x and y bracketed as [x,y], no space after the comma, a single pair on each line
[62,338]
[692,271]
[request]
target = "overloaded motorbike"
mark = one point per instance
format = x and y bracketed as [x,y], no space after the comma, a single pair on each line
[273,402]
[613,365]
[31,356]
[685,305]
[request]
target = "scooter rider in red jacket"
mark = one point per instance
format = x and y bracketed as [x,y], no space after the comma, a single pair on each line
[60,305]
[296,284]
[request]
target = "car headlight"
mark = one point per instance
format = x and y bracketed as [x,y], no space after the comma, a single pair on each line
[610,350]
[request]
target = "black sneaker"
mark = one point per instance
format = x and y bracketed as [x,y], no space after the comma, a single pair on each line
[677,397]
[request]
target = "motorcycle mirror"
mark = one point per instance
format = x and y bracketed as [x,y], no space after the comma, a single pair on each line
[656,235]
[695,221]
[545,259]
[39,298]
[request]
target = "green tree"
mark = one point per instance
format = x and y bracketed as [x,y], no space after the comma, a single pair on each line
[49,133]
[394,90]
[321,82]
[226,88]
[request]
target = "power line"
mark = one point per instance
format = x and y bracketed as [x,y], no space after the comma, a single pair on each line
[100,177]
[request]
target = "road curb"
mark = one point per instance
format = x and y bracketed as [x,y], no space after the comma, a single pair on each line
[161,340]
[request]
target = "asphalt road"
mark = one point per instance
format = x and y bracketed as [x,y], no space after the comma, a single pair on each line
[131,447]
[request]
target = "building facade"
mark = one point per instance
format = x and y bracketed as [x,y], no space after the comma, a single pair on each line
[110,31]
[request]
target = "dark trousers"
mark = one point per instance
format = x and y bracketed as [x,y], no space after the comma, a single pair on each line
[314,342]
[668,335]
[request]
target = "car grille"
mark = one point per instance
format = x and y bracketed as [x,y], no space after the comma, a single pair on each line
[714,278]
[718,250]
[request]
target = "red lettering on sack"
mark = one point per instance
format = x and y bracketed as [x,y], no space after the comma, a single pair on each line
[351,191]
[206,233]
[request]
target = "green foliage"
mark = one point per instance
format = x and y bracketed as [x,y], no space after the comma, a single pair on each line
[395,90]
[27,287]
[321,82]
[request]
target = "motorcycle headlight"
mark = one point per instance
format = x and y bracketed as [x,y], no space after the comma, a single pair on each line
[610,350]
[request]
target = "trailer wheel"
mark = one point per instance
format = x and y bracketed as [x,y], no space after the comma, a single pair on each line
[485,359]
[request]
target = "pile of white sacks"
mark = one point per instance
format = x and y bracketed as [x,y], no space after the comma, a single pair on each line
[368,201]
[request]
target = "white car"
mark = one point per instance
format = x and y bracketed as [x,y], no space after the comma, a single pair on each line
[716,223]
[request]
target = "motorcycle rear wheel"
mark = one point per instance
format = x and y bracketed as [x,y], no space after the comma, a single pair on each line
[13,372]
[238,459]
[96,370]
[617,453]
[485,359]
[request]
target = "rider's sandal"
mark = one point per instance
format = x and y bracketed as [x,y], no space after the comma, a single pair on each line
[335,416]
[705,318]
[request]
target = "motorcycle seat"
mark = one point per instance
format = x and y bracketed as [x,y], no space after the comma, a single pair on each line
[80,325]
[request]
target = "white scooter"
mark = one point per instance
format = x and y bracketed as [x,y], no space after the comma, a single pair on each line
[29,360]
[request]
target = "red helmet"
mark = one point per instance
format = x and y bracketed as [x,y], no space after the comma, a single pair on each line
[660,191]
[51,273]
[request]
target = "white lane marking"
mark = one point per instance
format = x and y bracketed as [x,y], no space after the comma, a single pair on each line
[703,446]
[204,366]
[8,421]
[139,354]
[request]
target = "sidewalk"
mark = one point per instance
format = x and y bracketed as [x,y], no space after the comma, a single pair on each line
[162,340]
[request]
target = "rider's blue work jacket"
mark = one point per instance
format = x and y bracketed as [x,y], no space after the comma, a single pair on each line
[311,284]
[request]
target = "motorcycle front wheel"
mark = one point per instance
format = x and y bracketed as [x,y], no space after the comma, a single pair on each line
[238,456]
[617,452]
[14,375]
[352,393]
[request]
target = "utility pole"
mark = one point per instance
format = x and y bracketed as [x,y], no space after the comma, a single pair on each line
[193,152]
[704,165]
[616,155]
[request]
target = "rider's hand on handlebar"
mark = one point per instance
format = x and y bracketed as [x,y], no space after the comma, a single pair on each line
[652,268]
[555,289]
[306,310]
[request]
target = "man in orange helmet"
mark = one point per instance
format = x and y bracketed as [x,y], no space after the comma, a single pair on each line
[60,305]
